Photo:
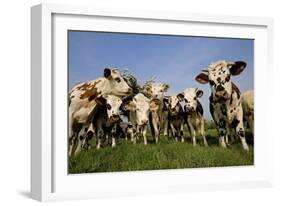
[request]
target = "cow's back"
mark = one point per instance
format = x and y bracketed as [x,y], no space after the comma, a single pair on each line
[248,102]
[82,98]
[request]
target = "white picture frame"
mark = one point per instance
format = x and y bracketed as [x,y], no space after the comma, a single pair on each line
[49,178]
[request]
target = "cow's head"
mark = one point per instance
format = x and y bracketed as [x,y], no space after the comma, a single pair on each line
[219,77]
[174,105]
[190,97]
[112,104]
[156,90]
[115,84]
[140,105]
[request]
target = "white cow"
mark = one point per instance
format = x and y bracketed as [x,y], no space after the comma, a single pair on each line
[156,92]
[139,114]
[82,102]
[194,109]
[247,99]
[225,100]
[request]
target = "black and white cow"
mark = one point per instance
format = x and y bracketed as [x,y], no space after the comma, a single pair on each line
[225,99]
[194,110]
[105,118]
[176,117]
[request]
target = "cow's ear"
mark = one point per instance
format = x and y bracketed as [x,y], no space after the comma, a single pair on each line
[202,78]
[101,100]
[147,90]
[107,73]
[166,87]
[237,67]
[199,93]
[180,96]
[131,106]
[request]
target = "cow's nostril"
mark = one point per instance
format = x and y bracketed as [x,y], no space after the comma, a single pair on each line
[130,90]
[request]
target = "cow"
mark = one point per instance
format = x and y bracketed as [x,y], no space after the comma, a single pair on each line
[138,114]
[176,117]
[247,99]
[82,102]
[105,118]
[156,92]
[225,99]
[194,110]
[126,130]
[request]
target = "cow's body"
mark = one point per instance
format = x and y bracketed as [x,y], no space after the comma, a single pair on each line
[225,100]
[82,102]
[126,130]
[139,114]
[194,109]
[156,91]
[248,108]
[176,118]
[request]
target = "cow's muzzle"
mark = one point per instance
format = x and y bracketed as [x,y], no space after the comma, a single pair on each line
[114,118]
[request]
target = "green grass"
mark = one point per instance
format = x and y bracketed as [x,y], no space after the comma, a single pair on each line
[167,154]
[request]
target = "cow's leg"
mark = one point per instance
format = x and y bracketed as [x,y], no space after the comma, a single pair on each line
[89,136]
[71,144]
[113,141]
[173,131]
[100,134]
[155,124]
[81,136]
[251,123]
[193,135]
[241,134]
[144,131]
[138,132]
[222,132]
[192,132]
[202,132]
[181,132]
[113,135]
[166,122]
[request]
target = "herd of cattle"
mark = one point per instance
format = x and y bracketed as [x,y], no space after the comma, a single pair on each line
[107,108]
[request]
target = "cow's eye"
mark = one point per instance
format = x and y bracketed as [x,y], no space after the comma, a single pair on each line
[108,106]
[194,98]
[117,79]
[227,78]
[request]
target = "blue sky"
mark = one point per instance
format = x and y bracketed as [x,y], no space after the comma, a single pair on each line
[175,60]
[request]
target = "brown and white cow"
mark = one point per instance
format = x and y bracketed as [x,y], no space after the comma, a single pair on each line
[247,99]
[156,92]
[225,99]
[194,110]
[82,101]
[139,114]
[176,117]
[105,118]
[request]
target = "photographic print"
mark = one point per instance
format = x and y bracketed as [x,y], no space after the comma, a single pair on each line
[151,102]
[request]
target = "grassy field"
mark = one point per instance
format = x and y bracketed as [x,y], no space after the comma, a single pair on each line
[168,154]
